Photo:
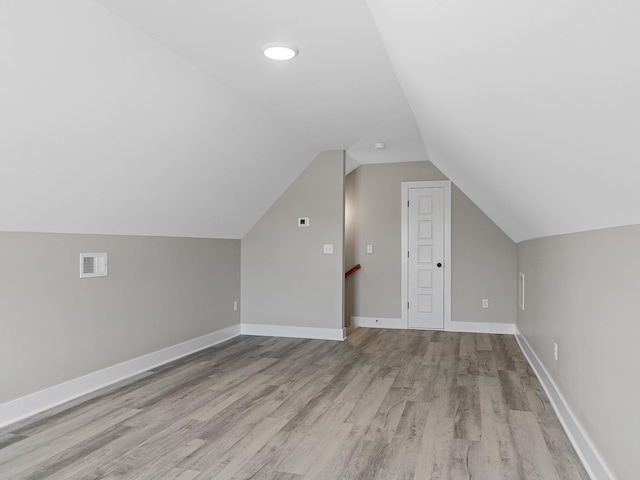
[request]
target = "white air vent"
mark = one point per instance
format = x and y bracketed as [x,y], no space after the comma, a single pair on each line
[93,265]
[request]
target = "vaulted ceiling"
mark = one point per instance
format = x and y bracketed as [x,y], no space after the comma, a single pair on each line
[531,107]
[162,117]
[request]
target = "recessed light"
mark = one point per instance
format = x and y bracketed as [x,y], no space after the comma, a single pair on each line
[279,51]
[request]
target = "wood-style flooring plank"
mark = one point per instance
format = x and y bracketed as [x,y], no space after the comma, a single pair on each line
[534,456]
[178,474]
[227,464]
[338,447]
[404,448]
[37,453]
[436,446]
[383,405]
[566,461]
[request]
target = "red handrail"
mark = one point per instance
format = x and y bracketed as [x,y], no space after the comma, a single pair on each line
[352,270]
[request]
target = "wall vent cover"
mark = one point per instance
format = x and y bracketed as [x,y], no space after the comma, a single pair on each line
[93,265]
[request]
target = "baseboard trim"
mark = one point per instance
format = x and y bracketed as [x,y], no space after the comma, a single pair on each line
[293,332]
[23,407]
[378,322]
[463,327]
[481,327]
[586,450]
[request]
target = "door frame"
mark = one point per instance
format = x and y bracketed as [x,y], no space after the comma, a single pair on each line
[404,287]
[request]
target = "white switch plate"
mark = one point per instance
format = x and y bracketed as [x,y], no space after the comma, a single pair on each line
[369,248]
[485,303]
[235,306]
[328,248]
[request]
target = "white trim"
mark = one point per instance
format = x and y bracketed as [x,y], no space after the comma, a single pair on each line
[378,322]
[482,327]
[23,407]
[446,184]
[586,450]
[293,331]
[463,327]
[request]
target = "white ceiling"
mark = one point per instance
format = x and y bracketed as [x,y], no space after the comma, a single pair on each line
[159,117]
[532,108]
[338,93]
[106,131]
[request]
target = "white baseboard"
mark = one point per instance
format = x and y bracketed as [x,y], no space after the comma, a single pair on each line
[23,407]
[593,462]
[465,327]
[293,332]
[378,322]
[481,327]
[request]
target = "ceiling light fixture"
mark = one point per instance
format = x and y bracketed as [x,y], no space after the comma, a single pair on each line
[279,51]
[379,145]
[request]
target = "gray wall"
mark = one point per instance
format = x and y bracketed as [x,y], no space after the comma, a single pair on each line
[56,327]
[581,292]
[483,257]
[286,277]
[483,265]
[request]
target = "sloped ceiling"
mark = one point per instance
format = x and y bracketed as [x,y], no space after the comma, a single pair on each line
[164,118]
[532,108]
[161,117]
[340,88]
[106,131]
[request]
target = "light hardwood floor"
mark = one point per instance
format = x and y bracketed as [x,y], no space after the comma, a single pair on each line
[385,404]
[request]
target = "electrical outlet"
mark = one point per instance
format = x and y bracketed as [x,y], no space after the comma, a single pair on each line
[369,249]
[328,248]
[555,351]
[485,303]
[235,306]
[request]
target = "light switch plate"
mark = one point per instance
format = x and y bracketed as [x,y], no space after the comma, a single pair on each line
[328,248]
[369,248]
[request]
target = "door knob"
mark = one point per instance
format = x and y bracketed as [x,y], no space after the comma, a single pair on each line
[439,265]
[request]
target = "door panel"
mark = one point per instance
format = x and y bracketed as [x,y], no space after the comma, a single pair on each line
[425,251]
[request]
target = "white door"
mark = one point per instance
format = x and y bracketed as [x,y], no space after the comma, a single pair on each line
[425,258]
